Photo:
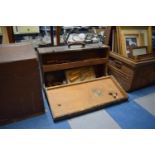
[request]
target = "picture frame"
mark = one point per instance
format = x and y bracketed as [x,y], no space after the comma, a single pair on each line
[131,41]
[140,35]
[138,51]
[144,57]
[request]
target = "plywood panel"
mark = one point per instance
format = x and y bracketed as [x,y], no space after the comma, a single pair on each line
[77,98]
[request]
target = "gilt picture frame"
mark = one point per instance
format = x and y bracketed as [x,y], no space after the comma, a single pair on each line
[138,35]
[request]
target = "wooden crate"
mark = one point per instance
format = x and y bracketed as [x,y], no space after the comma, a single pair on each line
[20,83]
[135,73]
[66,100]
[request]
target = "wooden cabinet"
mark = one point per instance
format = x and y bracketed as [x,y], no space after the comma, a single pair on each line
[20,83]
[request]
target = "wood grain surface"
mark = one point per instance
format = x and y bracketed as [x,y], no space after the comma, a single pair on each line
[77,98]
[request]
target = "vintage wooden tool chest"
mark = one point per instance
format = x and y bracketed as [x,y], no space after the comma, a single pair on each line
[131,73]
[76,79]
[20,83]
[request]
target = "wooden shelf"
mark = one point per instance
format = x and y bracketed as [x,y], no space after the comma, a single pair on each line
[88,62]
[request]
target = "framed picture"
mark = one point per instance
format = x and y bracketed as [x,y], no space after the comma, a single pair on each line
[131,41]
[134,36]
[137,51]
[141,54]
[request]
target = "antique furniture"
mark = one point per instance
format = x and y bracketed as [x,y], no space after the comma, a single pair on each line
[133,73]
[76,79]
[20,83]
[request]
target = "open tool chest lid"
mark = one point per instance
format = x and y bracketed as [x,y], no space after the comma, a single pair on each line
[73,99]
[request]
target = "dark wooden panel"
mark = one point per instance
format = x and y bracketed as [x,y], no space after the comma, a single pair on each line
[63,66]
[20,83]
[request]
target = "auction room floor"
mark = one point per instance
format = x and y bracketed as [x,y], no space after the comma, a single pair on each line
[137,112]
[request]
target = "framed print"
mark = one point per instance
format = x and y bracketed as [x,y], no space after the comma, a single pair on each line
[139,51]
[131,41]
[134,36]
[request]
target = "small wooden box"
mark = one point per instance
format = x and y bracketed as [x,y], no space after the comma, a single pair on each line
[65,99]
[135,73]
[20,83]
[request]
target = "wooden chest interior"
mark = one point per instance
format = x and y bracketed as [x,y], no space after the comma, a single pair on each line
[55,62]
